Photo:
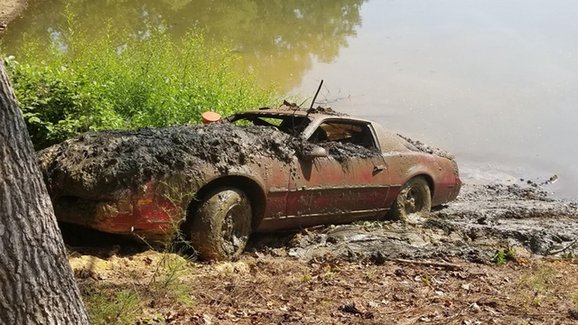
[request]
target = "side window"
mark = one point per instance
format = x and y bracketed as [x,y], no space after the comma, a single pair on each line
[344,133]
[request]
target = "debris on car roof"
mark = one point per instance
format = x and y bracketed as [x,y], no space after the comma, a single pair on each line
[288,106]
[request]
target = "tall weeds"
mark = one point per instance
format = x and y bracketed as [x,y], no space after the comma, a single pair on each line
[119,80]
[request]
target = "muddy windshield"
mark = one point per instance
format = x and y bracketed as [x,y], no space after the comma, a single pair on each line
[290,124]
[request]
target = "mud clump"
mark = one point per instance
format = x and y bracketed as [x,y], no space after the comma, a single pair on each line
[341,152]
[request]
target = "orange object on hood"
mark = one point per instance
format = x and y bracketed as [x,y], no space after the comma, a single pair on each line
[211,117]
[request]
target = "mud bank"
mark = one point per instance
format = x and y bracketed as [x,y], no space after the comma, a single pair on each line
[483,220]
[10,9]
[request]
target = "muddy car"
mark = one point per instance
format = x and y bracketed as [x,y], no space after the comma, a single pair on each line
[259,171]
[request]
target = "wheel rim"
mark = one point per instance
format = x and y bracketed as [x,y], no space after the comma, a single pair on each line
[232,231]
[413,200]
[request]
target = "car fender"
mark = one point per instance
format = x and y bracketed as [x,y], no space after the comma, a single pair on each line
[242,177]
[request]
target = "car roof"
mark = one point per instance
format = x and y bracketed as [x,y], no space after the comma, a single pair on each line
[388,141]
[313,114]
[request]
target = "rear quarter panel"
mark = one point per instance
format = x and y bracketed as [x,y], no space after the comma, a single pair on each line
[438,171]
[404,164]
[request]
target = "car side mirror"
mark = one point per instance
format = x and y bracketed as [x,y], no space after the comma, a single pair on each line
[315,152]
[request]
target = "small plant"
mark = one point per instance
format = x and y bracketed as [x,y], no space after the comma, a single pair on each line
[504,256]
[427,280]
[329,271]
[539,279]
[167,280]
[119,308]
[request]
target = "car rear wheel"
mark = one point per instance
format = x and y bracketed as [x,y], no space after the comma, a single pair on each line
[414,197]
[221,225]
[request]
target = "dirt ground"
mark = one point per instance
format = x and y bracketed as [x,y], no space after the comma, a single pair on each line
[502,253]
[10,9]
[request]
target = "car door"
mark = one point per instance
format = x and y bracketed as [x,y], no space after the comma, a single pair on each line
[351,182]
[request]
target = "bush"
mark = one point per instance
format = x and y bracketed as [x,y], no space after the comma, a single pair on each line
[123,80]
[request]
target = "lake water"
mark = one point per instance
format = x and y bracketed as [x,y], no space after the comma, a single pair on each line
[493,81]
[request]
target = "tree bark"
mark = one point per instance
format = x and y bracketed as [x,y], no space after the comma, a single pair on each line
[36,282]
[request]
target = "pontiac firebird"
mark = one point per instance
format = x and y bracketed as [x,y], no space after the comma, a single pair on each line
[339,169]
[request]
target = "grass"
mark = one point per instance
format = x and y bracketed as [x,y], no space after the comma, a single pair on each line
[535,286]
[113,308]
[121,80]
[165,282]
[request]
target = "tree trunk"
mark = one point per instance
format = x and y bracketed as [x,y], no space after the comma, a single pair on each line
[36,282]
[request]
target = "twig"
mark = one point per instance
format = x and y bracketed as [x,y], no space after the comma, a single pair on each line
[564,248]
[427,263]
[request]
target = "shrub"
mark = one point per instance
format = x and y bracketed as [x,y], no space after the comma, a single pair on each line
[122,80]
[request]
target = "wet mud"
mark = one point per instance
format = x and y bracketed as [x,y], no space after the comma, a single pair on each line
[483,220]
[288,106]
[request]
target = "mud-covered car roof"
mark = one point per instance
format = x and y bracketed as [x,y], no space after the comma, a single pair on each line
[312,113]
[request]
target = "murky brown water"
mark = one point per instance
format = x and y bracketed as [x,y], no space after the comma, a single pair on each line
[493,81]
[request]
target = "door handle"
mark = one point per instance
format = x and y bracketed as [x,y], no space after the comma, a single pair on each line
[378,168]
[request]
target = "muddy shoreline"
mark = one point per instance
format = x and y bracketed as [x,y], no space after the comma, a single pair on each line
[484,220]
[9,10]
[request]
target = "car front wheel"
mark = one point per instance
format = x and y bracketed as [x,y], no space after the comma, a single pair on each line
[221,226]
[414,197]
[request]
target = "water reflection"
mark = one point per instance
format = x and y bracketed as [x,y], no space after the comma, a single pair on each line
[278,40]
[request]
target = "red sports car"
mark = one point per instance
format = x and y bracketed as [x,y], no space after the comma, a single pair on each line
[259,171]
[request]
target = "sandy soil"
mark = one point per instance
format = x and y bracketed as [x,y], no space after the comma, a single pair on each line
[10,9]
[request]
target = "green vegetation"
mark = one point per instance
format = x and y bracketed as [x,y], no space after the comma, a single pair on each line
[504,256]
[120,80]
[536,286]
[124,304]
[121,307]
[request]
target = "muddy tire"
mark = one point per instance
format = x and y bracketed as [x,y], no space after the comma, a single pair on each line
[221,225]
[414,197]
